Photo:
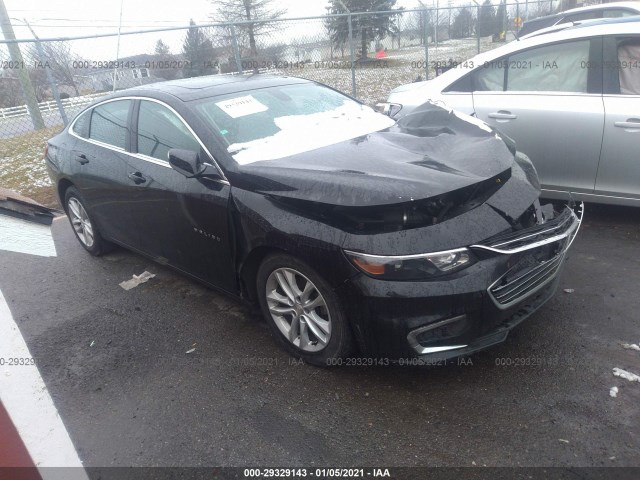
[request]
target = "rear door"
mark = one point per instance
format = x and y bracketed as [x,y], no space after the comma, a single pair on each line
[99,162]
[181,221]
[619,171]
[549,100]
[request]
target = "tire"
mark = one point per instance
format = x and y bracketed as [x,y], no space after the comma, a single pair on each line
[83,226]
[310,306]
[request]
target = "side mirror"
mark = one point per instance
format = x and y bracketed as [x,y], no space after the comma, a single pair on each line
[186,162]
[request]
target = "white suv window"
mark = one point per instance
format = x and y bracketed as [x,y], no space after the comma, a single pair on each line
[560,67]
[629,67]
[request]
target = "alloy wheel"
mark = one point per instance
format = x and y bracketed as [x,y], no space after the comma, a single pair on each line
[298,309]
[80,222]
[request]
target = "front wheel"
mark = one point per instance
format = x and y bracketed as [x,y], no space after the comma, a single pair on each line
[303,311]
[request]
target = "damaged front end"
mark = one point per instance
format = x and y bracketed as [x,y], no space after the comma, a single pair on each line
[430,232]
[489,288]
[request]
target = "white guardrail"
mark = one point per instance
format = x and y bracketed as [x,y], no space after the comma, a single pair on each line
[50,106]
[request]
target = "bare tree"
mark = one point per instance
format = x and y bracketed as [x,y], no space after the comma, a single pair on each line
[58,57]
[248,11]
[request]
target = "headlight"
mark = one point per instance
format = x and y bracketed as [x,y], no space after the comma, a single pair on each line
[412,267]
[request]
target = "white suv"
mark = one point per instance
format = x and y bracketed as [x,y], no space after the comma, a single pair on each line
[570,99]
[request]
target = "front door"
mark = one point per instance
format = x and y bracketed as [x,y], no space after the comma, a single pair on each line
[181,221]
[551,105]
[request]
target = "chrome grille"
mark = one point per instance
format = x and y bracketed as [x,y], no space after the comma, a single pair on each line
[521,281]
[506,291]
[565,226]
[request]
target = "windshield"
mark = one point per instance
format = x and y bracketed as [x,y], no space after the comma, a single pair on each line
[276,122]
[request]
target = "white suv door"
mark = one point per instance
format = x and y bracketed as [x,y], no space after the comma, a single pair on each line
[549,100]
[620,159]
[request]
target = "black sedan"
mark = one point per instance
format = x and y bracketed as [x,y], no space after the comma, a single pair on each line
[354,233]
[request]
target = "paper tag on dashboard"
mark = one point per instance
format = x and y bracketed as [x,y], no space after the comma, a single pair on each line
[241,106]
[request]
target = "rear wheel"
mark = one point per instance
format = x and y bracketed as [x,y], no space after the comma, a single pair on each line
[85,229]
[303,311]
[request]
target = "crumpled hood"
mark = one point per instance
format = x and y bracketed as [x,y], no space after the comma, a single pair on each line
[427,153]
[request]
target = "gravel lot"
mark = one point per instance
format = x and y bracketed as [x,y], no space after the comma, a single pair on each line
[116,365]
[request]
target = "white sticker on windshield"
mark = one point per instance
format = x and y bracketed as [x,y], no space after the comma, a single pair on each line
[241,106]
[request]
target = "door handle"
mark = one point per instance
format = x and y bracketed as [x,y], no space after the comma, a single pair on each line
[503,115]
[81,158]
[137,177]
[633,123]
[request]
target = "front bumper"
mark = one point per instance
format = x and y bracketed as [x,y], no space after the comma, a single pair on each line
[467,311]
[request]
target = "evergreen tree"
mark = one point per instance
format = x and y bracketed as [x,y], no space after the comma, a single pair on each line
[196,49]
[462,24]
[366,28]
[487,19]
[501,20]
[161,48]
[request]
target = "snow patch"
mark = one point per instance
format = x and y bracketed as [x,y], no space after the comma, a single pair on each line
[631,346]
[632,377]
[613,392]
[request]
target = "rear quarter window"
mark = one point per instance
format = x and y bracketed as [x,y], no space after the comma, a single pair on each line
[81,125]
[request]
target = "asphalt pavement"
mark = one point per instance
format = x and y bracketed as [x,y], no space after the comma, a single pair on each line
[116,365]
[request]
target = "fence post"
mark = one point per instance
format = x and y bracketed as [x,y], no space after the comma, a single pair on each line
[236,50]
[478,29]
[425,34]
[435,34]
[23,77]
[353,59]
[52,83]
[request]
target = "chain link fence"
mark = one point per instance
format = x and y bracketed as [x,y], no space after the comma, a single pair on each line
[44,83]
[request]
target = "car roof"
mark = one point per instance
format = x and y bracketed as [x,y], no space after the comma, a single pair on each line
[188,89]
[588,28]
[603,6]
[550,20]
[580,24]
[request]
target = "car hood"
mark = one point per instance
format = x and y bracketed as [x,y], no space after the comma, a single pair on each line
[428,153]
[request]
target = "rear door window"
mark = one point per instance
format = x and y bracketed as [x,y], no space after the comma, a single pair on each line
[109,123]
[629,66]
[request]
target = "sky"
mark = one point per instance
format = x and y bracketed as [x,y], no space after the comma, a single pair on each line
[62,18]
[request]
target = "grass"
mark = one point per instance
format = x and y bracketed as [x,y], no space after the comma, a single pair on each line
[22,167]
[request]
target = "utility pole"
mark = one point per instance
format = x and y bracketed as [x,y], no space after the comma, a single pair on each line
[352,52]
[50,79]
[115,70]
[425,34]
[477,25]
[23,76]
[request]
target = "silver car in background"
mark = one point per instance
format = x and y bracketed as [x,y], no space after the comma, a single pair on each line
[570,99]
